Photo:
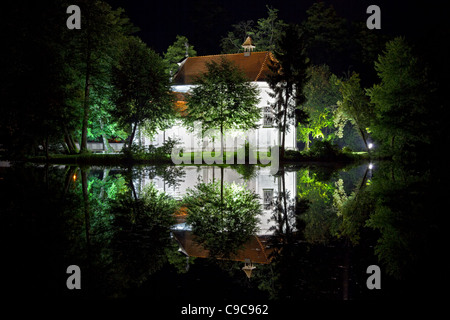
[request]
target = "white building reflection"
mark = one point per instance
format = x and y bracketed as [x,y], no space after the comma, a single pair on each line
[265,185]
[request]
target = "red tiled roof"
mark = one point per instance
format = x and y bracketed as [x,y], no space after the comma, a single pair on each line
[254,66]
[254,249]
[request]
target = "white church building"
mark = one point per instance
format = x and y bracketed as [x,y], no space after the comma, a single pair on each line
[255,67]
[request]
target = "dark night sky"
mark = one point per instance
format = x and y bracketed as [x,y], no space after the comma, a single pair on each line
[205,22]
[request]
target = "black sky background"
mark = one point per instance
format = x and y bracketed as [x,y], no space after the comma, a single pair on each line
[205,22]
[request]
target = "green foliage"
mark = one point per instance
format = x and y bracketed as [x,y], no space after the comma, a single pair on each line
[142,88]
[137,152]
[95,48]
[64,73]
[223,99]
[232,43]
[247,171]
[263,34]
[267,30]
[319,217]
[324,150]
[101,123]
[347,149]
[165,149]
[176,52]
[292,155]
[355,211]
[354,107]
[222,225]
[326,35]
[321,93]
[401,101]
[287,80]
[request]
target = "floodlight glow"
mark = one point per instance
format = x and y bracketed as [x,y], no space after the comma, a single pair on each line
[370,145]
[370,166]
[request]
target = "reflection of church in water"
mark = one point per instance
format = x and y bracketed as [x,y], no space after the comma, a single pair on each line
[265,185]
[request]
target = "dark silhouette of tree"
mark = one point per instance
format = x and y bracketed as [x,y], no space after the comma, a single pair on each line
[287,81]
[142,88]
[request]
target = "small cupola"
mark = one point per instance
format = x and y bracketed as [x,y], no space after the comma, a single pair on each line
[248,46]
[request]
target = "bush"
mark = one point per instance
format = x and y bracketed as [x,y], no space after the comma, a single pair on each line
[324,150]
[292,155]
[347,149]
[135,151]
[142,152]
[166,148]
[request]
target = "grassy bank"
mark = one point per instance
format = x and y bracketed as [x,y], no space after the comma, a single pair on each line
[291,157]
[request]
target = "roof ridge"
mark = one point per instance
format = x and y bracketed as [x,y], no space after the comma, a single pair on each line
[226,54]
[262,66]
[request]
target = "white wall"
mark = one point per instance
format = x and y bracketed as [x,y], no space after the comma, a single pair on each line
[263,180]
[261,137]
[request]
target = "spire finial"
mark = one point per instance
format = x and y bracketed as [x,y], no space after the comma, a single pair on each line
[248,45]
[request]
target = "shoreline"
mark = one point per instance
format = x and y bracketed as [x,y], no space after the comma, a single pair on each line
[121,160]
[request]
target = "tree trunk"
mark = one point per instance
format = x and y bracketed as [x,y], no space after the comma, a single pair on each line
[363,136]
[69,141]
[221,139]
[106,146]
[102,189]
[84,184]
[87,85]
[70,173]
[284,127]
[133,133]
[46,148]
[83,147]
[221,185]
[285,213]
[69,144]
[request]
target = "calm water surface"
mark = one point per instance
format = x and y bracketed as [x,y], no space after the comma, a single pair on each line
[318,229]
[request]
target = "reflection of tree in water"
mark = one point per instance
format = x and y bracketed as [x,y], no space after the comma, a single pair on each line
[247,171]
[392,218]
[172,175]
[121,239]
[398,212]
[222,223]
[141,233]
[304,265]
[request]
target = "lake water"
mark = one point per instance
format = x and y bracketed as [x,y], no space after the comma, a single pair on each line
[318,229]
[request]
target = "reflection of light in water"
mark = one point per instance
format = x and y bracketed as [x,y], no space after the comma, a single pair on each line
[248,268]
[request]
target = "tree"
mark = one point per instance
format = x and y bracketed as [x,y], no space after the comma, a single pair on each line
[222,225]
[403,114]
[321,93]
[101,122]
[287,80]
[223,99]
[326,36]
[95,46]
[142,88]
[39,90]
[232,43]
[354,105]
[264,34]
[364,49]
[176,52]
[268,30]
